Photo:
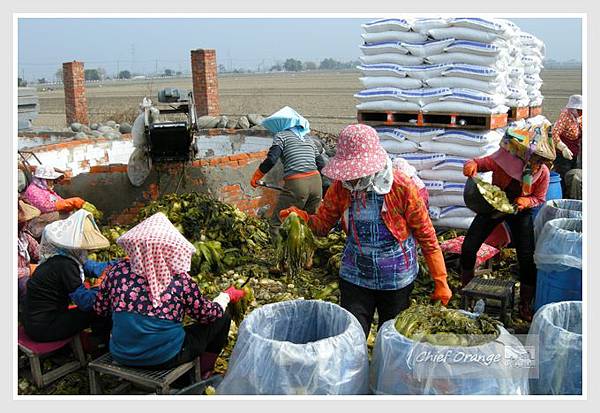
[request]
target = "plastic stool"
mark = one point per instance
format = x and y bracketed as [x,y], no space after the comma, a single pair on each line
[34,350]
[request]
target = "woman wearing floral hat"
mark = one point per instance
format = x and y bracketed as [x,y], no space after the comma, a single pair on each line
[28,249]
[525,183]
[385,218]
[149,294]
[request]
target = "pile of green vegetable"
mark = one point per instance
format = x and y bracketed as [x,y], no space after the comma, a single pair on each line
[442,326]
[495,196]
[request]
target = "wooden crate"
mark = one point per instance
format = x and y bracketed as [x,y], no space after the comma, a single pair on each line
[535,111]
[517,113]
[432,119]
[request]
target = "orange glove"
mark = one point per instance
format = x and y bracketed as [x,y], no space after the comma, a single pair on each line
[283,214]
[522,203]
[69,204]
[470,168]
[32,268]
[256,177]
[437,271]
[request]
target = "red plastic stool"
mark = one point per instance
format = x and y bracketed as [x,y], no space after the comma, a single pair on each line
[34,350]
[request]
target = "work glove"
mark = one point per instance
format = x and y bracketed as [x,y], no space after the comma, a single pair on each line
[256,177]
[95,268]
[234,294]
[470,168]
[566,152]
[32,268]
[283,214]
[522,203]
[69,204]
[437,271]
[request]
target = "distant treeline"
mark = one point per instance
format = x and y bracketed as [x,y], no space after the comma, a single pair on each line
[295,65]
[555,64]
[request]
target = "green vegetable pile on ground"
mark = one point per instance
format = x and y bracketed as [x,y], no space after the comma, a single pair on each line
[439,325]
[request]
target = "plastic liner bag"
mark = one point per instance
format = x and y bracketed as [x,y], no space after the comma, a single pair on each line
[556,328]
[453,222]
[384,25]
[443,175]
[137,132]
[391,36]
[445,200]
[464,33]
[388,105]
[427,48]
[463,107]
[390,81]
[387,133]
[393,146]
[423,160]
[298,347]
[559,245]
[554,209]
[470,138]
[493,26]
[382,69]
[468,46]
[474,97]
[428,23]
[383,47]
[391,58]
[499,61]
[403,366]
[458,149]
[466,83]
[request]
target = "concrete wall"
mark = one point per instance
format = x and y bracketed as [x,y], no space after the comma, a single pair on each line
[97,172]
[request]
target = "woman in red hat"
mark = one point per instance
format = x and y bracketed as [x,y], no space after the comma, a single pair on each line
[385,218]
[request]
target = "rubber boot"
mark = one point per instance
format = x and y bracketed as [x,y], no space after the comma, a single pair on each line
[466,276]
[526,295]
[207,364]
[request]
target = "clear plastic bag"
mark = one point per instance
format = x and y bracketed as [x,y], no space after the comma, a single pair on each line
[554,209]
[398,366]
[557,329]
[559,245]
[298,347]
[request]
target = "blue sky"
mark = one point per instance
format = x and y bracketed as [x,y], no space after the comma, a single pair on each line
[146,44]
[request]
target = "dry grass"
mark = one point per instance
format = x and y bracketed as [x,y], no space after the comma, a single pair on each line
[325,98]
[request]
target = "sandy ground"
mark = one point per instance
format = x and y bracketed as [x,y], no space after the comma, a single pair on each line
[325,98]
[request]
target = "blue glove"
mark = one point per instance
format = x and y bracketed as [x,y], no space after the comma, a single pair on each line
[94,268]
[84,298]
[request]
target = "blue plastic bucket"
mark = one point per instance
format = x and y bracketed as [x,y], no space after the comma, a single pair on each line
[554,191]
[553,287]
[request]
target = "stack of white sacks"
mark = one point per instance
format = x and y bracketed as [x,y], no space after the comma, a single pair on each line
[459,65]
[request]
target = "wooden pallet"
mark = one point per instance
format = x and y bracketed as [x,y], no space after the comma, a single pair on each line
[432,119]
[535,111]
[517,113]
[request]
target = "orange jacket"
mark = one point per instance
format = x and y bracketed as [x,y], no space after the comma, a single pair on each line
[403,212]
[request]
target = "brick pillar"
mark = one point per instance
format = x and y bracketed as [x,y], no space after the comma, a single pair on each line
[76,107]
[204,79]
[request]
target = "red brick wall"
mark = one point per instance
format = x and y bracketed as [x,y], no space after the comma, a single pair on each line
[76,107]
[205,83]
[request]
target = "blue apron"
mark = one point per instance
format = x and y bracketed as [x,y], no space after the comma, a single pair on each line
[373,258]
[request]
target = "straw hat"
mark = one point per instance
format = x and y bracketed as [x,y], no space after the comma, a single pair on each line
[79,231]
[358,154]
[46,172]
[27,212]
[575,102]
[545,148]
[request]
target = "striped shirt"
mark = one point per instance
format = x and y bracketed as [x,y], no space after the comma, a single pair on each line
[297,155]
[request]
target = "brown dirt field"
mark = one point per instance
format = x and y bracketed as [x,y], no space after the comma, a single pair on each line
[325,98]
